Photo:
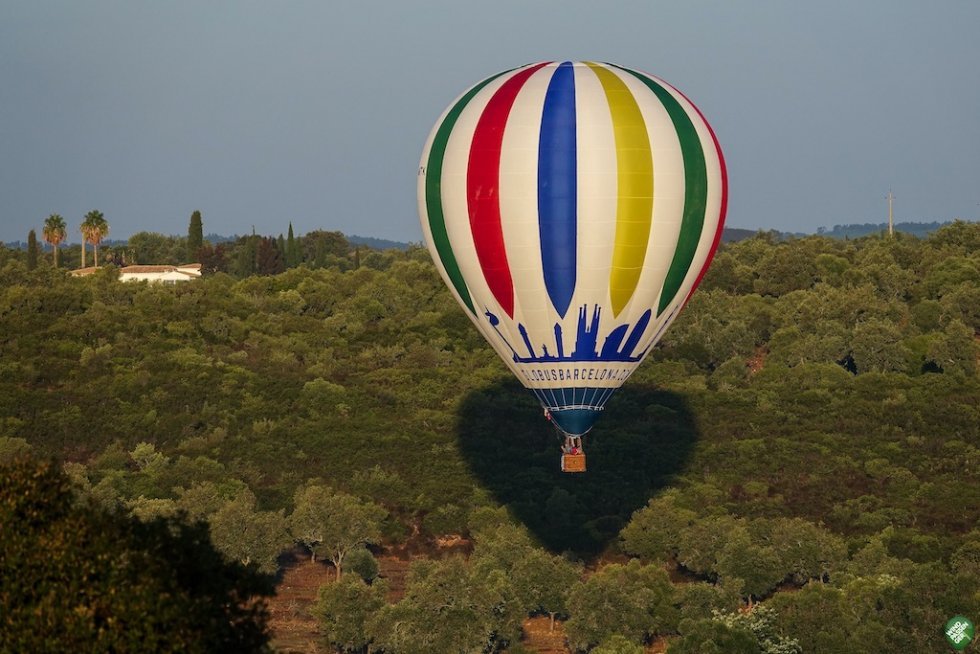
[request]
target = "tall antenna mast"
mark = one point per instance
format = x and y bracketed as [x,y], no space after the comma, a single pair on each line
[891,222]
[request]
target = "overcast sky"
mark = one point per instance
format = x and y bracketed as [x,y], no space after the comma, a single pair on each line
[262,113]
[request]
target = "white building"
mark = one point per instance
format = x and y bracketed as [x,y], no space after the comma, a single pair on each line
[160,274]
[153,274]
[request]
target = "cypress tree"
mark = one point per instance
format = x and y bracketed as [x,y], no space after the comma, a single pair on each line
[32,250]
[292,249]
[195,236]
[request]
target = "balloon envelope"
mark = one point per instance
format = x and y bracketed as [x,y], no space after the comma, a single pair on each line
[572,208]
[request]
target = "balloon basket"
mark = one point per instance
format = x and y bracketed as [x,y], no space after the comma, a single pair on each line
[573,463]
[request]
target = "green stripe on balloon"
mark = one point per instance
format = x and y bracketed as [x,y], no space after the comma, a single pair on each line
[695,190]
[433,192]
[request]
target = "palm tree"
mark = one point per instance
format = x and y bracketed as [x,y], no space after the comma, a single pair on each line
[84,241]
[54,233]
[94,228]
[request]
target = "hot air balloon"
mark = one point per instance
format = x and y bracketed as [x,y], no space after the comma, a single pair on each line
[572,208]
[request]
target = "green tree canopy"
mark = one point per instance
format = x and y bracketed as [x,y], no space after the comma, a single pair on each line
[247,535]
[541,580]
[75,578]
[332,523]
[343,609]
[632,600]
[449,607]
[153,248]
[654,531]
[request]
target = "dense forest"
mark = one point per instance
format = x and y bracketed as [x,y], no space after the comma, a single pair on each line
[794,469]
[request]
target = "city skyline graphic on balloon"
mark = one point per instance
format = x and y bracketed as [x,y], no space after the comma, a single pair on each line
[572,208]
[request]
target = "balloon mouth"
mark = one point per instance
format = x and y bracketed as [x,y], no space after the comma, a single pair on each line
[575,421]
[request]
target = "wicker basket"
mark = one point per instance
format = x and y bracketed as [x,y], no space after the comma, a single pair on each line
[573,463]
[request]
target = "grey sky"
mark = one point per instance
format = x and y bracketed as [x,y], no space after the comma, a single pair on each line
[261,113]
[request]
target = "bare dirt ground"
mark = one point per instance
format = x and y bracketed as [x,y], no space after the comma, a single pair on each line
[293,628]
[538,637]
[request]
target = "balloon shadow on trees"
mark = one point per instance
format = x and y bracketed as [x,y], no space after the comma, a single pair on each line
[638,446]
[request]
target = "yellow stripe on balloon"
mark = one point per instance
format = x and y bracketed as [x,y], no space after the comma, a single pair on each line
[634,203]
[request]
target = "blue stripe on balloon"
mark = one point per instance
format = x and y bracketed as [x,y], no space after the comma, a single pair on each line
[557,188]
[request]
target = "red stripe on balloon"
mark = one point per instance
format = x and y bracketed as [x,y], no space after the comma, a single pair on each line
[483,189]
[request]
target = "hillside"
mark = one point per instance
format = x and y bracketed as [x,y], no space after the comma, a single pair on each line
[805,441]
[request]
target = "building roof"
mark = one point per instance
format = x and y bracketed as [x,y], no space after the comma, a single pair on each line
[192,269]
[135,270]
